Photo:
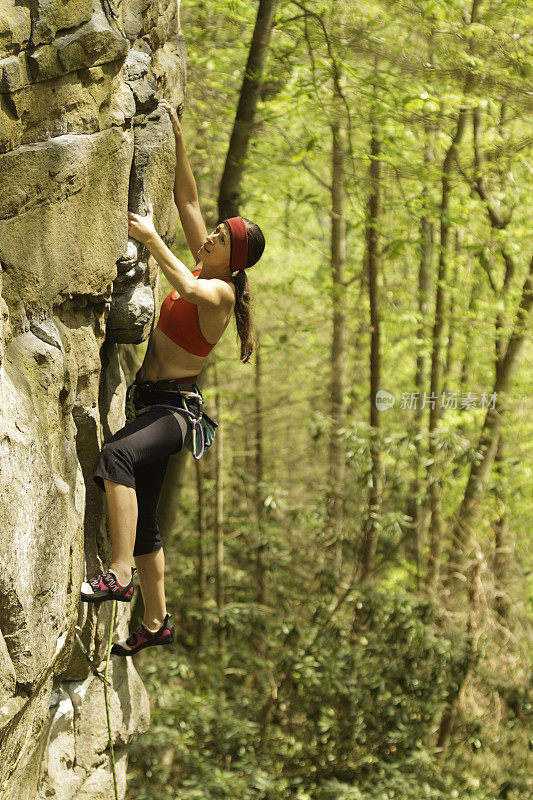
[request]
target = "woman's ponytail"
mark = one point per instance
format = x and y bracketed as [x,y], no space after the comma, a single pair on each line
[243,314]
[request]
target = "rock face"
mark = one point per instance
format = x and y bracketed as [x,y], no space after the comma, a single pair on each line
[81,142]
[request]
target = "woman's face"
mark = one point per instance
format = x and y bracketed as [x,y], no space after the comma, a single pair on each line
[216,250]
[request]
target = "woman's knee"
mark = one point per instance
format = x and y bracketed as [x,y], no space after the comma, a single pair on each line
[115,464]
[146,545]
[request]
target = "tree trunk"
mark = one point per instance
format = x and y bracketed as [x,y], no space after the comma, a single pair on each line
[417,506]
[503,547]
[167,509]
[178,464]
[371,525]
[466,377]
[436,531]
[503,551]
[452,313]
[219,518]
[436,521]
[466,518]
[452,700]
[260,547]
[338,344]
[230,184]
[259,490]
[202,565]
[506,360]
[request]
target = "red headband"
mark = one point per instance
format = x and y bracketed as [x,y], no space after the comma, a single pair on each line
[239,242]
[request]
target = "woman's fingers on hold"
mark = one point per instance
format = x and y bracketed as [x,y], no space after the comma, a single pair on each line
[166,105]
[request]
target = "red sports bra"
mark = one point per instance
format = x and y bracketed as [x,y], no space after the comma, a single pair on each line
[178,319]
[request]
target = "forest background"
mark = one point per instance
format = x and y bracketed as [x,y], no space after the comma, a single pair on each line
[349,567]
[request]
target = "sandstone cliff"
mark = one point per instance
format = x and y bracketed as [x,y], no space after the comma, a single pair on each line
[81,142]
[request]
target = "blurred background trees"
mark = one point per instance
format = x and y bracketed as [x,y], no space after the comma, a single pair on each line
[350,567]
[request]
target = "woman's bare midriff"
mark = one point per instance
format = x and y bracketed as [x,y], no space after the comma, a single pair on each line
[165,359]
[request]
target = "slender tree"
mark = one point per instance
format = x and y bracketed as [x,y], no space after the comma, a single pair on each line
[503,544]
[230,184]
[338,359]
[436,533]
[452,699]
[452,312]
[219,518]
[202,555]
[372,519]
[417,510]
[436,522]
[259,497]
[470,508]
[507,354]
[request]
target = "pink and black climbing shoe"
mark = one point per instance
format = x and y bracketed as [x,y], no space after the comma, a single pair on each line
[142,637]
[106,587]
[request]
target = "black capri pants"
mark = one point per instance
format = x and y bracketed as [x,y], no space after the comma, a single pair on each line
[137,456]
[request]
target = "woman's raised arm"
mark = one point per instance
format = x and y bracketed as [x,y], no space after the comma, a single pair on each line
[185,191]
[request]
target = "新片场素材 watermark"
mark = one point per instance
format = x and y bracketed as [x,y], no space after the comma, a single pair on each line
[447,400]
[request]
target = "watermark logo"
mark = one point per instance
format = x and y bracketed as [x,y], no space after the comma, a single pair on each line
[384,400]
[461,401]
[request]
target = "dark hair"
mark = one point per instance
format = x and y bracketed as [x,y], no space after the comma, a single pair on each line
[256,242]
[243,310]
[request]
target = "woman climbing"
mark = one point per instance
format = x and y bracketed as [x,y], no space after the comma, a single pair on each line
[167,403]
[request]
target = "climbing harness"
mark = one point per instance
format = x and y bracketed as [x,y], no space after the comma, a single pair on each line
[203,426]
[105,680]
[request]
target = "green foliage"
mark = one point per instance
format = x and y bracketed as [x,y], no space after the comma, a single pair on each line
[330,690]
[354,714]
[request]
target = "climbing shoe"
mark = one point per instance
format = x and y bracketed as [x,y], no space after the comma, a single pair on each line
[106,587]
[142,637]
